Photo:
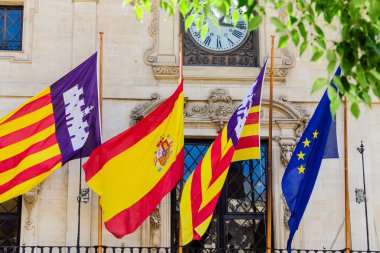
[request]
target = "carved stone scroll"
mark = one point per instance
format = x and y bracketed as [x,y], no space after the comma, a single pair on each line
[137,113]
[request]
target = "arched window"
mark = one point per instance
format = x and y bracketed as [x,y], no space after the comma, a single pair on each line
[239,219]
[10,222]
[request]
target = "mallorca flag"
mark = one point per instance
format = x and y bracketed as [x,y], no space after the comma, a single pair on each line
[134,170]
[202,189]
[57,125]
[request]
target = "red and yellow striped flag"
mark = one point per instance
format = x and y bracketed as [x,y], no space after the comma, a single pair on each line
[133,171]
[239,140]
[57,125]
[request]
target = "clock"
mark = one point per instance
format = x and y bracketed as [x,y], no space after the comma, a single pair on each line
[224,44]
[224,38]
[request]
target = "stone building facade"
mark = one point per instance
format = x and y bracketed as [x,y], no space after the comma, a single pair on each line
[140,70]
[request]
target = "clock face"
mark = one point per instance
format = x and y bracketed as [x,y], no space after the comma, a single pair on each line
[224,38]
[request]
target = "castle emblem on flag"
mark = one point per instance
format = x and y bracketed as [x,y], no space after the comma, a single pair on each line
[164,149]
[76,112]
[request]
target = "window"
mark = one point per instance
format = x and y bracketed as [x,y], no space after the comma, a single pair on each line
[239,219]
[11,18]
[10,222]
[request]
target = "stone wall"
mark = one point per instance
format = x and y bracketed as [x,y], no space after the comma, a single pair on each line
[141,58]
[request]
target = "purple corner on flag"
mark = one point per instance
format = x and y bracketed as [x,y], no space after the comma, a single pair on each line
[76,111]
[238,118]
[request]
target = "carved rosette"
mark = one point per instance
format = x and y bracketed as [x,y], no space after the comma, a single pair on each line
[155,219]
[287,146]
[29,199]
[137,113]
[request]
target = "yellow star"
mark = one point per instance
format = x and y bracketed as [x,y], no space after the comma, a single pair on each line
[306,143]
[301,170]
[315,134]
[301,155]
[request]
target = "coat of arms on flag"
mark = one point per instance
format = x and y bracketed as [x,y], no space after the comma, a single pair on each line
[163,152]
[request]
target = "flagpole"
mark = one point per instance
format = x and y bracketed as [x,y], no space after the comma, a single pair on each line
[346,186]
[180,75]
[269,170]
[100,220]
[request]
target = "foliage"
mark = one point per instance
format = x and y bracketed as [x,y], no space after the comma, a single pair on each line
[357,50]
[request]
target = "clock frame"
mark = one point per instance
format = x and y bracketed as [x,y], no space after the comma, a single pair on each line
[245,55]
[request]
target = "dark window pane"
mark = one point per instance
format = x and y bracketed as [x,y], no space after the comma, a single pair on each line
[11,18]
[10,222]
[239,218]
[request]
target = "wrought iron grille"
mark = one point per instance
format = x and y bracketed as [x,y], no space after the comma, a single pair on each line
[10,220]
[109,249]
[239,219]
[11,18]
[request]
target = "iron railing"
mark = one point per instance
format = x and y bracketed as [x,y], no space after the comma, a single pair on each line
[109,249]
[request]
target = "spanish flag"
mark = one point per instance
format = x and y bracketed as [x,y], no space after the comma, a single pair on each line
[134,170]
[59,124]
[239,140]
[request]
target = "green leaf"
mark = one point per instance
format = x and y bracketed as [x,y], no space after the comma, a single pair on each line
[280,27]
[235,17]
[189,21]
[283,40]
[204,31]
[331,57]
[303,47]
[289,8]
[319,30]
[319,84]
[183,7]
[138,11]
[316,54]
[331,92]
[146,4]
[375,74]
[355,110]
[321,41]
[295,37]
[334,105]
[301,28]
[254,22]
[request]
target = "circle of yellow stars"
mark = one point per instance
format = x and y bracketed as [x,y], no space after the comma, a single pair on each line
[301,155]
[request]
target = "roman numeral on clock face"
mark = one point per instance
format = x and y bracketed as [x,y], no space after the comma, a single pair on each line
[218,43]
[207,41]
[237,34]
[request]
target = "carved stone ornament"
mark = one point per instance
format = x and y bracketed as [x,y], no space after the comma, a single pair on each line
[165,71]
[150,56]
[137,113]
[218,109]
[155,219]
[286,211]
[287,148]
[29,199]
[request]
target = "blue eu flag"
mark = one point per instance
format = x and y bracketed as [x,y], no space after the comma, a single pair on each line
[317,142]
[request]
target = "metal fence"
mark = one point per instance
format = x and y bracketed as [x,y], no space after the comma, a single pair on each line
[106,249]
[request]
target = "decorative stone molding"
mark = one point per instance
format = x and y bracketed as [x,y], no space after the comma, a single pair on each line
[25,55]
[29,199]
[165,71]
[137,113]
[150,56]
[286,211]
[218,109]
[287,145]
